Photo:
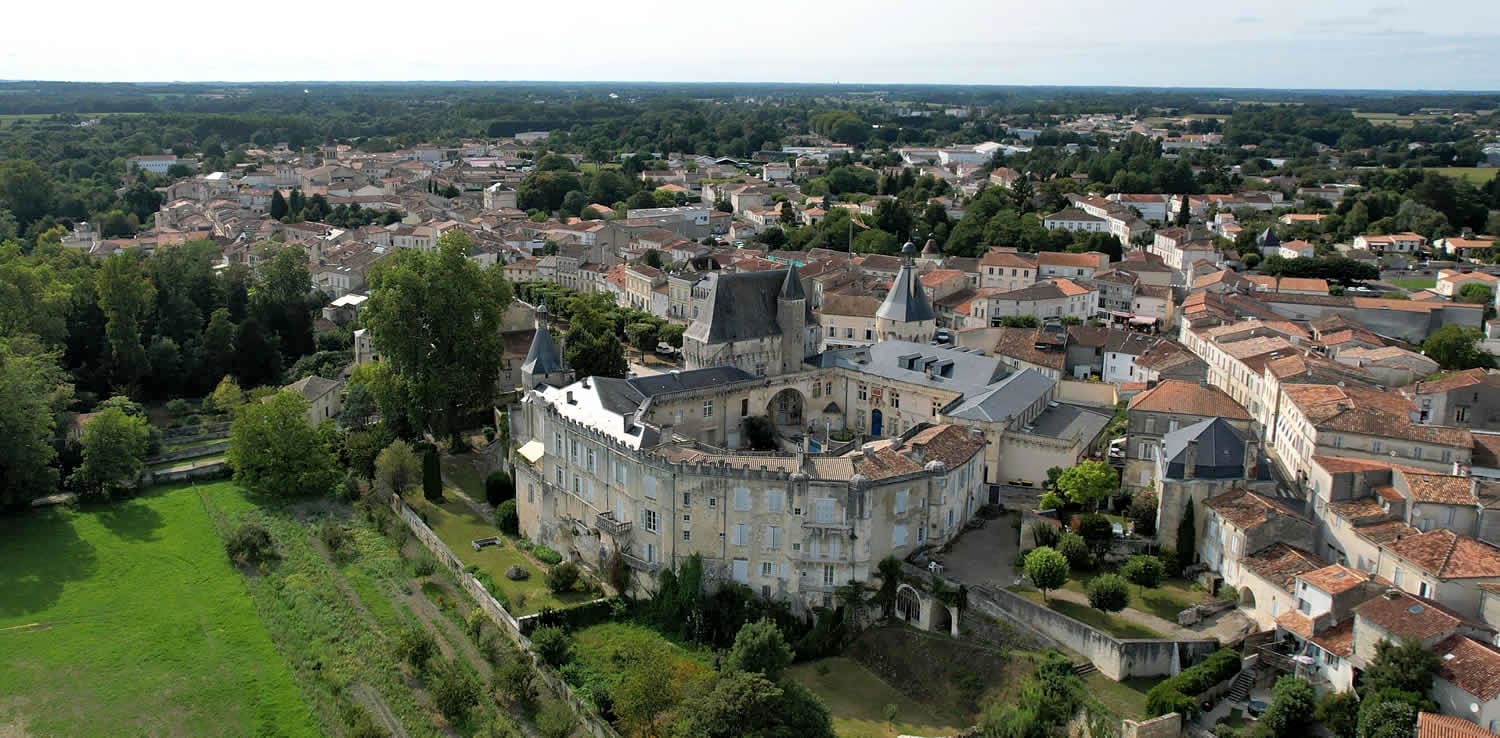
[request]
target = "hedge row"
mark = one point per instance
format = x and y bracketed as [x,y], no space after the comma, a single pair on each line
[1179,693]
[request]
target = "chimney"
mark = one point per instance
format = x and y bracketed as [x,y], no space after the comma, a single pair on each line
[868,450]
[1251,456]
[1190,464]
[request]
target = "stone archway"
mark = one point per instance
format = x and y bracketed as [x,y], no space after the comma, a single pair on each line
[909,605]
[1247,598]
[942,619]
[788,412]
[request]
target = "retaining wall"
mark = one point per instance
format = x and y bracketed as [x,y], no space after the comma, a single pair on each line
[211,449]
[212,470]
[1116,658]
[508,624]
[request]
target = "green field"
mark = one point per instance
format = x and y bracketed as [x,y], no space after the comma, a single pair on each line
[1473,174]
[457,524]
[129,620]
[1414,283]
[857,699]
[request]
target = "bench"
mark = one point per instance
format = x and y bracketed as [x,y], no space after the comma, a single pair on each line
[480,543]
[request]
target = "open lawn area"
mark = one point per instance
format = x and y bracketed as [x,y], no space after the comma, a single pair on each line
[1127,699]
[1414,283]
[458,524]
[127,619]
[1164,601]
[1112,624]
[858,700]
[1473,174]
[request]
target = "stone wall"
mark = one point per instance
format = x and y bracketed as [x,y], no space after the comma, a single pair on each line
[196,452]
[1166,726]
[508,624]
[1116,658]
[212,470]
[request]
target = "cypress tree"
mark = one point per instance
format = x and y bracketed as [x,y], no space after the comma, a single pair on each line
[278,206]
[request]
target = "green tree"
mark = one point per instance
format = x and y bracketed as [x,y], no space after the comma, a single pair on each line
[1108,593]
[33,392]
[552,644]
[435,319]
[1144,570]
[274,452]
[1338,712]
[1075,550]
[26,190]
[1098,532]
[227,397]
[278,206]
[562,577]
[592,348]
[760,647]
[1406,667]
[363,447]
[217,347]
[432,474]
[282,299]
[1457,347]
[1290,713]
[125,297]
[1046,568]
[1385,718]
[397,467]
[358,406]
[1088,483]
[455,688]
[1475,293]
[748,705]
[1184,216]
[114,453]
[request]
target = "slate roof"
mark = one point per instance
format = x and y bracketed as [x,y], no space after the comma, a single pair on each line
[970,372]
[668,382]
[907,301]
[1004,400]
[1220,450]
[741,307]
[542,357]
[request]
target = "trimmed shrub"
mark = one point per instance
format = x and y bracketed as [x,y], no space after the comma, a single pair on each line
[432,474]
[1072,547]
[1144,570]
[507,519]
[546,555]
[1108,592]
[1178,693]
[1043,533]
[562,578]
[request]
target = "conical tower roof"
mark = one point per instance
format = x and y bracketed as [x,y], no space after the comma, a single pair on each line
[791,287]
[906,302]
[542,357]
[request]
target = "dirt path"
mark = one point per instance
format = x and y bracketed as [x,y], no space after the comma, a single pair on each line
[369,698]
[447,634]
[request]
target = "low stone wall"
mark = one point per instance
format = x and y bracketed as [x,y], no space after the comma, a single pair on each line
[196,452]
[508,624]
[1116,658]
[187,431]
[1166,726]
[212,470]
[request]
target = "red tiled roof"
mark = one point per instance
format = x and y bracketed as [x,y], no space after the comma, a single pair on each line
[1189,398]
[1408,617]
[1337,639]
[1280,564]
[1245,509]
[1334,579]
[1470,665]
[1433,725]
[1448,555]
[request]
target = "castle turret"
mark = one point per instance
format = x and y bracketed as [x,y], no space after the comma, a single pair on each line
[791,318]
[906,315]
[544,365]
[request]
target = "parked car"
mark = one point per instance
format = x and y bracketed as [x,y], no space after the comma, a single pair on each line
[665,349]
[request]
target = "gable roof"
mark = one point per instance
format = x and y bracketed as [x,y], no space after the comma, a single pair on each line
[1245,509]
[1188,398]
[1280,564]
[1469,665]
[1433,725]
[1408,617]
[1448,555]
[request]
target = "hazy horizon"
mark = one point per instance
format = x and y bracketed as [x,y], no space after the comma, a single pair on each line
[1276,44]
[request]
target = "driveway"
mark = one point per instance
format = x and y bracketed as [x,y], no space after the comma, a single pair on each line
[985,555]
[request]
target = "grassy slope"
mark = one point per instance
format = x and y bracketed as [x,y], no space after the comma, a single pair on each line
[1473,174]
[144,627]
[457,524]
[857,699]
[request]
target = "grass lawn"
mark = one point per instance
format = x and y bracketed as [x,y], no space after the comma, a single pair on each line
[457,524]
[1414,283]
[857,698]
[129,620]
[1165,601]
[1473,174]
[1110,623]
[1125,699]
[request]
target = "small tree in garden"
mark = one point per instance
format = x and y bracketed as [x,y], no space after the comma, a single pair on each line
[1046,568]
[1143,570]
[506,518]
[1142,512]
[562,578]
[1109,593]
[1098,532]
[1043,533]
[1088,483]
[1072,547]
[553,644]
[760,647]
[397,466]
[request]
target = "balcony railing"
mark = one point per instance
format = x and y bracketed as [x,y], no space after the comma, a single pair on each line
[606,522]
[840,526]
[639,564]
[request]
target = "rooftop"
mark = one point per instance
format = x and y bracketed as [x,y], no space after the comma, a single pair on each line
[1280,564]
[1448,555]
[1469,665]
[1408,617]
[1188,398]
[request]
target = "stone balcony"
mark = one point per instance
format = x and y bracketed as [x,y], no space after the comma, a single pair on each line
[606,522]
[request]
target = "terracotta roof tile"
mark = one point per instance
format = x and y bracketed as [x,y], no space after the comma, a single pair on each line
[1385,532]
[1296,623]
[1280,564]
[1408,617]
[1438,489]
[1360,509]
[1245,509]
[1448,555]
[1190,398]
[1432,725]
[1334,579]
[1337,639]
[1470,665]
[1466,378]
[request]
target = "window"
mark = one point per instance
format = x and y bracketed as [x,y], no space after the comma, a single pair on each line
[1303,606]
[650,552]
[620,471]
[713,502]
[677,417]
[530,492]
[687,535]
[744,407]
[828,575]
[823,509]
[895,399]
[901,498]
[557,442]
[573,450]
[864,392]
[1150,425]
[828,389]
[773,537]
[741,499]
[1424,590]
[577,486]
[741,570]
[775,501]
[559,476]
[898,535]
[591,460]
[708,408]
[741,534]
[687,517]
[653,523]
[767,569]
[1461,415]
[1375,446]
[648,487]
[1397,577]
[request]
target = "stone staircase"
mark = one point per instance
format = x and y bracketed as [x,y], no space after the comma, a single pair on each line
[1239,690]
[1084,669]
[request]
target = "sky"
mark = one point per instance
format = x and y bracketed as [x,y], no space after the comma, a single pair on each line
[1319,44]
